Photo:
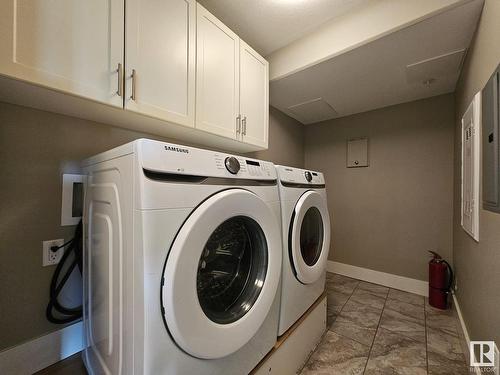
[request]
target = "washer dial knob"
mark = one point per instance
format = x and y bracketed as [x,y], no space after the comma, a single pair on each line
[309,176]
[232,164]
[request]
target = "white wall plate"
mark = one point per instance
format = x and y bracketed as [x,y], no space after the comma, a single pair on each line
[71,194]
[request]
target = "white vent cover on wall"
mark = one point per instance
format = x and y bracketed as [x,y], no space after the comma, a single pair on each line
[470,167]
[312,111]
[436,67]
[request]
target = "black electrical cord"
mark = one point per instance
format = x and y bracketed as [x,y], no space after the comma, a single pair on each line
[61,276]
[452,277]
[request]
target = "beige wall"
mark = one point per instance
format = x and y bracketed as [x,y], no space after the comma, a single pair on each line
[478,264]
[386,216]
[35,149]
[286,139]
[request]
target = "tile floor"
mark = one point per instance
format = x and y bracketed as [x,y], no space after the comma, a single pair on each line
[377,330]
[372,330]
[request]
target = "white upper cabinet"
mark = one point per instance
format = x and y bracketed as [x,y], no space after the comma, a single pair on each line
[160,59]
[232,84]
[217,76]
[72,46]
[165,67]
[254,96]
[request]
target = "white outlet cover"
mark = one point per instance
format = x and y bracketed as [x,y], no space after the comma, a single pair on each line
[67,198]
[49,257]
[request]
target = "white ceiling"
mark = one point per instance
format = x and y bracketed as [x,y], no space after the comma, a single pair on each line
[268,25]
[385,72]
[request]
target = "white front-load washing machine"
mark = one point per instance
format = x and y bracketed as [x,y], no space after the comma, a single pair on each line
[182,261]
[306,241]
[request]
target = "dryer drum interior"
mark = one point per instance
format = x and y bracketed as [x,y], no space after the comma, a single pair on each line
[311,236]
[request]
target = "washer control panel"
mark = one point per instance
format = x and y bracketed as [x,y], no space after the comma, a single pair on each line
[163,157]
[243,167]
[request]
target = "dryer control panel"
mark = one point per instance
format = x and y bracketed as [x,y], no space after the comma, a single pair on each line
[164,157]
[299,176]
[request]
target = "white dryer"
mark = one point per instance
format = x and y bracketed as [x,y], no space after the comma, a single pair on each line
[306,241]
[182,261]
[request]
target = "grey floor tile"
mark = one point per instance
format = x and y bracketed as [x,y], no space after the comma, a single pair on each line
[405,308]
[406,297]
[338,290]
[443,347]
[432,310]
[403,324]
[393,353]
[337,355]
[441,322]
[446,321]
[336,300]
[409,336]
[445,353]
[449,369]
[340,278]
[358,322]
[331,315]
[339,283]
[374,288]
[367,297]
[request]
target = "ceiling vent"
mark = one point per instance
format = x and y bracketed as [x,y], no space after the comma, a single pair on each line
[312,111]
[427,71]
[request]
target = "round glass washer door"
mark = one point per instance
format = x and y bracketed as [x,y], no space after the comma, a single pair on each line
[310,237]
[222,274]
[232,269]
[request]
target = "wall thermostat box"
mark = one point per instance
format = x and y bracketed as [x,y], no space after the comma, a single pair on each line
[357,153]
[491,143]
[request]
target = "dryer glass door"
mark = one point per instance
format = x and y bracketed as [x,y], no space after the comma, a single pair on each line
[221,274]
[309,237]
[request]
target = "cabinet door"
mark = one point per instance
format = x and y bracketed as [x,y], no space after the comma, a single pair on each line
[217,76]
[160,52]
[72,46]
[254,96]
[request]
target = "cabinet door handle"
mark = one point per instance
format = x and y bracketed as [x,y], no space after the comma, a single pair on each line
[238,124]
[244,125]
[133,76]
[120,79]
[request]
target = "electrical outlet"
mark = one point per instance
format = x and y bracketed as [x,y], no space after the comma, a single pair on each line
[52,257]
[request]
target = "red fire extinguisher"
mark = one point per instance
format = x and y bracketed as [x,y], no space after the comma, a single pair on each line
[440,281]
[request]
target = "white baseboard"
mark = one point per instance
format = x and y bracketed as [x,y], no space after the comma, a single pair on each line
[461,319]
[43,351]
[387,279]
[464,330]
[477,370]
